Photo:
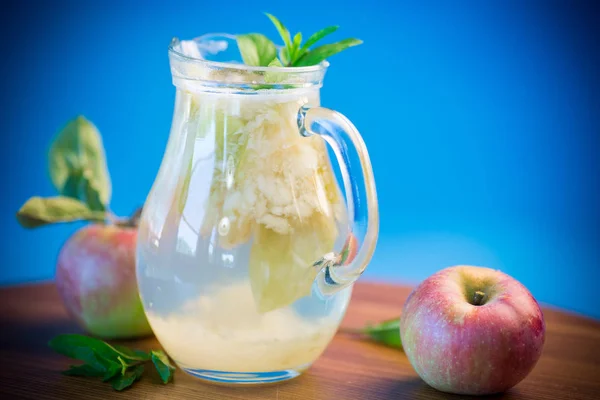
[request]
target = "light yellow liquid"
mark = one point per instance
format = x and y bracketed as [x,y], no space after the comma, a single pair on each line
[223,331]
[242,208]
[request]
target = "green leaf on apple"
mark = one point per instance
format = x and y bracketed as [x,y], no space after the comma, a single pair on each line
[38,211]
[77,164]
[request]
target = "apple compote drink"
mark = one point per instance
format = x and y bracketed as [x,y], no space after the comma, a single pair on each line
[226,257]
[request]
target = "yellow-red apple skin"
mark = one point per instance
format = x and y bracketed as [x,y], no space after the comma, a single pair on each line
[96,278]
[461,348]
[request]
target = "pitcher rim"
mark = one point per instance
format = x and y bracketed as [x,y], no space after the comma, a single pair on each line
[322,66]
[199,74]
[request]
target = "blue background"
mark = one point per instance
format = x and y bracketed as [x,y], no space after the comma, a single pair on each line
[481,119]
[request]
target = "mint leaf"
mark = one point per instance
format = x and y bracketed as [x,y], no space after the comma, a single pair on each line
[119,365]
[296,46]
[128,378]
[315,37]
[315,56]
[283,32]
[90,370]
[83,370]
[274,77]
[38,211]
[163,365]
[293,53]
[79,347]
[275,63]
[285,57]
[256,49]
[386,332]
[132,354]
[78,150]
[111,371]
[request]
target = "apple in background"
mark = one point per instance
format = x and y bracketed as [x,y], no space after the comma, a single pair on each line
[96,279]
[472,330]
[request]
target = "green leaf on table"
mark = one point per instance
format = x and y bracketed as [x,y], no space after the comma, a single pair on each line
[84,370]
[97,362]
[163,365]
[321,53]
[127,378]
[111,371]
[77,155]
[256,49]
[116,364]
[132,354]
[79,346]
[107,370]
[386,332]
[39,211]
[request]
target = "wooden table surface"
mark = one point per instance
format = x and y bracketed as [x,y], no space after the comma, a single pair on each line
[351,368]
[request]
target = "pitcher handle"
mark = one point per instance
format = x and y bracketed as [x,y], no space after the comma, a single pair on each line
[339,270]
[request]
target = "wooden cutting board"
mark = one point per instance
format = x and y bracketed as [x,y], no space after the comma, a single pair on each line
[350,368]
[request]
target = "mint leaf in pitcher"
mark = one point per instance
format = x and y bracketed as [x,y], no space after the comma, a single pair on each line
[283,32]
[256,49]
[315,56]
[315,37]
[293,53]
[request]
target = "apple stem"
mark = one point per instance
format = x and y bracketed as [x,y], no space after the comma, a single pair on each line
[130,222]
[112,218]
[478,298]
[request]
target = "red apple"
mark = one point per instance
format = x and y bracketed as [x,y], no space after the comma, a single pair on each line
[97,281]
[472,330]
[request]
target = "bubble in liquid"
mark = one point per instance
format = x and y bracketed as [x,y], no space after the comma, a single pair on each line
[223,226]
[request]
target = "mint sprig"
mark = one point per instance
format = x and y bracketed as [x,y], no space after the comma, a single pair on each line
[386,332]
[256,49]
[117,365]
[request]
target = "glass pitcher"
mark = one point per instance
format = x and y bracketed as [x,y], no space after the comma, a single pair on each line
[248,248]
